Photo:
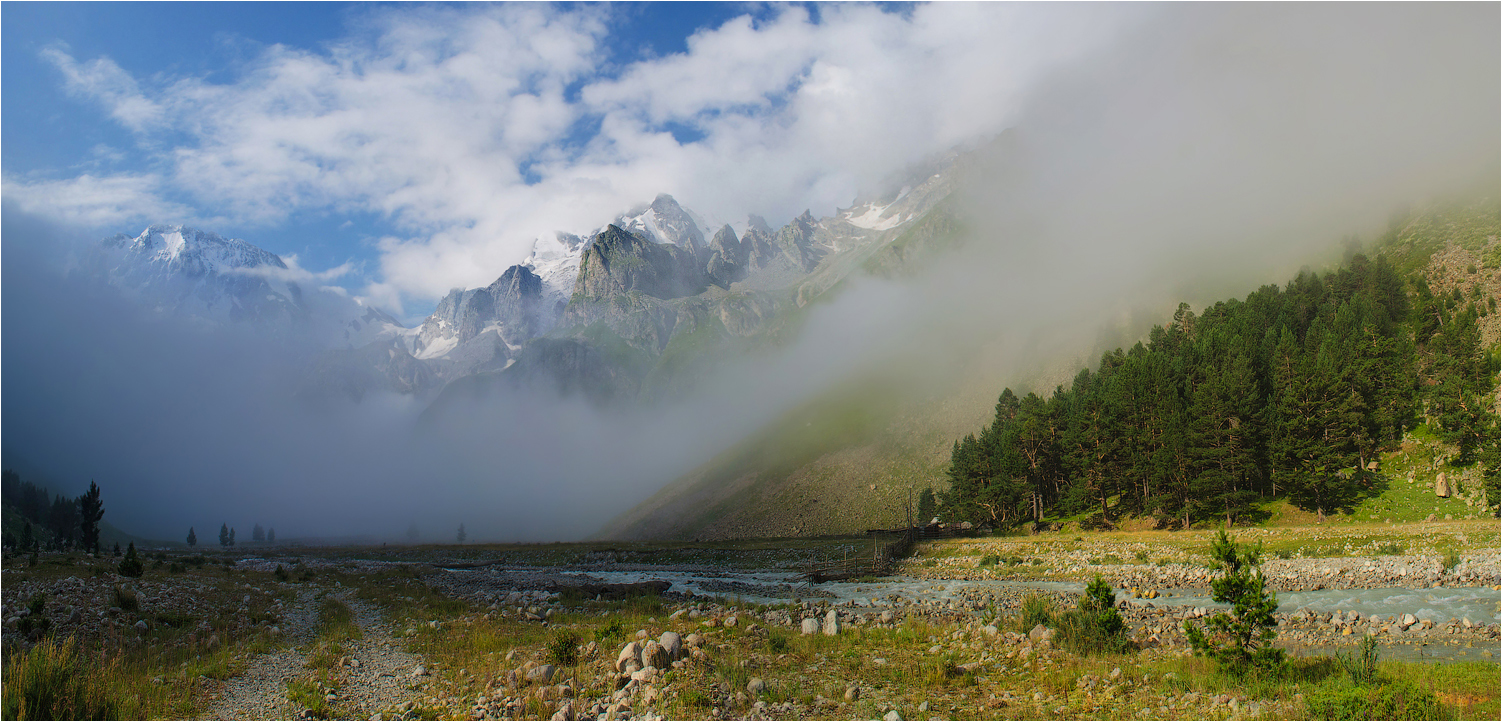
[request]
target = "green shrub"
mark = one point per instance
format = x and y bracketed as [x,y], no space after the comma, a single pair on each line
[1096,627]
[281,574]
[1388,700]
[1141,557]
[563,650]
[989,560]
[50,681]
[1452,558]
[1362,663]
[130,566]
[1241,640]
[1390,549]
[176,568]
[37,619]
[1036,609]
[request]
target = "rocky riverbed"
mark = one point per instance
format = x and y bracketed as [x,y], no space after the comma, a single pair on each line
[479,638]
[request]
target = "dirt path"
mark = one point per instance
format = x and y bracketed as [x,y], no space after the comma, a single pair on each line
[377,680]
[383,678]
[261,692]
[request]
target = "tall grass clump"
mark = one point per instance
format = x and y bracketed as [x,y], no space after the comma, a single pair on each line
[1036,609]
[1364,695]
[1361,664]
[52,681]
[1398,699]
[1096,627]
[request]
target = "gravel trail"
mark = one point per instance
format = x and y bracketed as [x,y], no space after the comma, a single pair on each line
[261,692]
[383,676]
[375,677]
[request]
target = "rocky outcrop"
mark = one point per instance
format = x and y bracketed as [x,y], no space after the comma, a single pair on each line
[620,262]
[756,243]
[727,258]
[796,241]
[512,305]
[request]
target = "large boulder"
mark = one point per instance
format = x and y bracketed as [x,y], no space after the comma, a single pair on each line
[1442,486]
[672,644]
[831,623]
[653,655]
[629,653]
[810,625]
[541,674]
[1040,633]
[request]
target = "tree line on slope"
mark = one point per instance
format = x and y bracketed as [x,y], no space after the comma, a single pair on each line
[1292,392]
[73,522]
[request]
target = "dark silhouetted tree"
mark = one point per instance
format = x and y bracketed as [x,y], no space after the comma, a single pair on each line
[258,534]
[461,535]
[231,536]
[271,535]
[90,511]
[130,566]
[28,538]
[224,535]
[192,537]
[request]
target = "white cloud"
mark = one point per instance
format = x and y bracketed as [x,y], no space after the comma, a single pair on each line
[437,119]
[95,202]
[295,273]
[102,79]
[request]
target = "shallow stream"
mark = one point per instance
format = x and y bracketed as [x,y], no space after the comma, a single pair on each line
[1480,604]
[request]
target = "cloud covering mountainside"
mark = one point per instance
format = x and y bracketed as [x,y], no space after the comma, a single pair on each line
[610,315]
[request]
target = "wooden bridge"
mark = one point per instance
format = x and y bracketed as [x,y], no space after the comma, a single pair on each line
[887,546]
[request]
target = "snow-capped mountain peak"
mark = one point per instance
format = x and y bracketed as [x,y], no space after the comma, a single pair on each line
[211,279]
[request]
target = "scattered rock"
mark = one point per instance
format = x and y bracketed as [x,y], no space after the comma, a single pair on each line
[672,644]
[832,623]
[629,653]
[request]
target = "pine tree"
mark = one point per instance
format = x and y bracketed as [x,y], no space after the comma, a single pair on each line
[224,538]
[90,511]
[192,537]
[258,534]
[28,538]
[460,536]
[1223,424]
[271,535]
[927,506]
[1319,425]
[130,566]
[231,536]
[1243,638]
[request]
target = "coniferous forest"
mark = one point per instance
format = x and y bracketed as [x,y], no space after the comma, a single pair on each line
[1293,392]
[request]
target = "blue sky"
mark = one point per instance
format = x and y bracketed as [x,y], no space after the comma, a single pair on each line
[426,146]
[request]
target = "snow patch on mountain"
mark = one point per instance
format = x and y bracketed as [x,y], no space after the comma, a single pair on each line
[874,218]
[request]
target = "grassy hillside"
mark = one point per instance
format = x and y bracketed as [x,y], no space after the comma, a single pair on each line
[852,458]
